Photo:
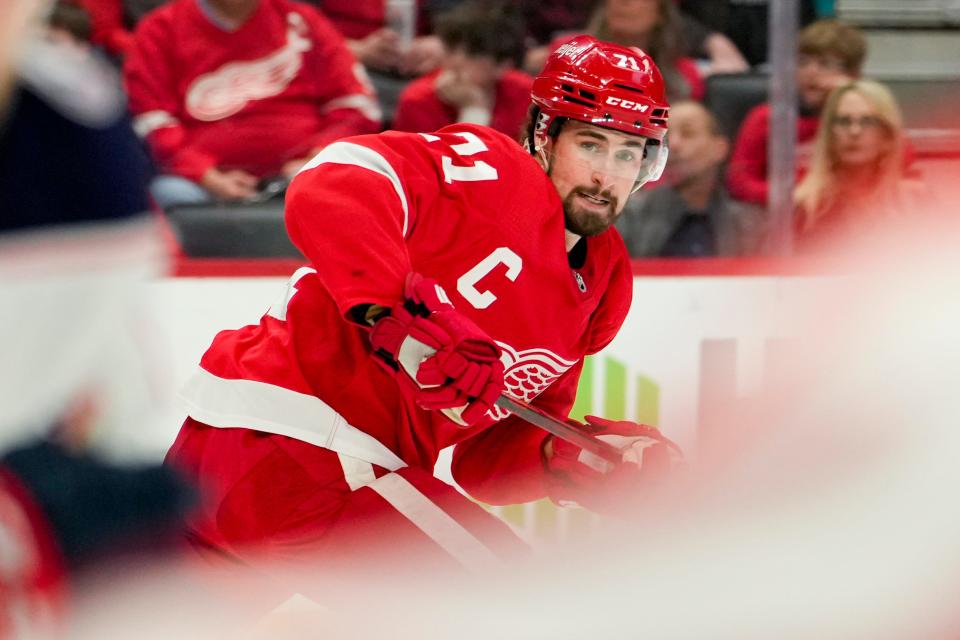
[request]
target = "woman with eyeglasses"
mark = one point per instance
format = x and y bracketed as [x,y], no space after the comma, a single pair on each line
[856,174]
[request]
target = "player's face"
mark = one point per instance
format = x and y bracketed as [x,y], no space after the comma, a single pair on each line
[860,137]
[594,170]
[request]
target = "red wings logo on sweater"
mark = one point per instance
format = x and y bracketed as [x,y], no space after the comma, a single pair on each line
[224,92]
[528,373]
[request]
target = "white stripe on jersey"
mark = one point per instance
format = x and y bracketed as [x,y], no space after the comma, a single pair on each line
[435,522]
[360,156]
[357,473]
[224,403]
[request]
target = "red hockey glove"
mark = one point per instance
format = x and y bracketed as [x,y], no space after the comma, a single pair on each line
[439,355]
[575,475]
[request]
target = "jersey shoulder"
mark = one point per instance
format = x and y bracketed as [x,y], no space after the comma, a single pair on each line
[460,153]
[467,163]
[514,165]
[461,143]
[496,142]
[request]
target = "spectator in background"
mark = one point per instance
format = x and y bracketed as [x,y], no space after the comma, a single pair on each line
[713,51]
[228,92]
[547,21]
[689,214]
[376,39]
[655,26]
[856,174]
[477,81]
[830,53]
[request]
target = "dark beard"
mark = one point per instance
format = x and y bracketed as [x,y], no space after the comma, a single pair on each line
[586,224]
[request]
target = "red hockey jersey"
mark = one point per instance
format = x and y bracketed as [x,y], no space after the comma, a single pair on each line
[281,85]
[419,108]
[469,207]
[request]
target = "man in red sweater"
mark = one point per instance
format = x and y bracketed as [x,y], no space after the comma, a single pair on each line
[830,53]
[228,92]
[477,81]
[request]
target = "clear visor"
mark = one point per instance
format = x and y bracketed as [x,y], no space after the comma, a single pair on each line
[654,162]
[637,163]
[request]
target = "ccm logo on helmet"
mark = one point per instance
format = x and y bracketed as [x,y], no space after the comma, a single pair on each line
[627,104]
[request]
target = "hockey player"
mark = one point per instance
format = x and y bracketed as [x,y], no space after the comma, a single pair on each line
[446,269]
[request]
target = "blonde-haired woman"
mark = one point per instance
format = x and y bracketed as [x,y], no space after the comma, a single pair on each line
[856,175]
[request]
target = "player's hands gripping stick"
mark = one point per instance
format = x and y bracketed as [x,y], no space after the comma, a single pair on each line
[439,355]
[579,476]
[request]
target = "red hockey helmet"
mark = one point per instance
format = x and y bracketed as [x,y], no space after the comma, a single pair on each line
[606,85]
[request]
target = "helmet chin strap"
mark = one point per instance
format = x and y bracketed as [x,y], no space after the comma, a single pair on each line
[545,128]
[542,156]
[538,151]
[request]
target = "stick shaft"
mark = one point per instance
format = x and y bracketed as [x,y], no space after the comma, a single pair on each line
[560,429]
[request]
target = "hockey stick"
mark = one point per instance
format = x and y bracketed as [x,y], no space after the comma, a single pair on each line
[560,429]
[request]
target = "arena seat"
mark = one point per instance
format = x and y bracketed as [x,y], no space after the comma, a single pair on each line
[926,102]
[235,230]
[897,13]
[729,96]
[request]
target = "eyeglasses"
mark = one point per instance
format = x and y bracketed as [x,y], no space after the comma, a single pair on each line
[863,122]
